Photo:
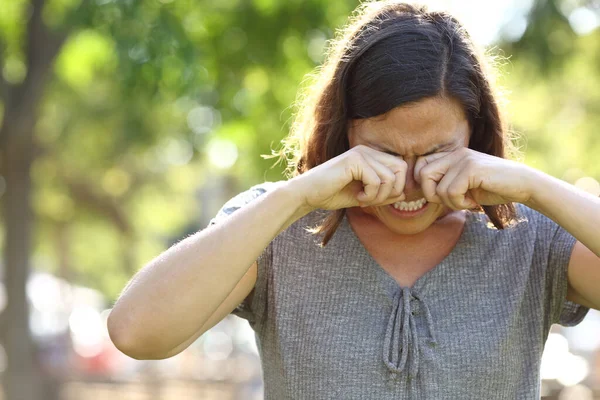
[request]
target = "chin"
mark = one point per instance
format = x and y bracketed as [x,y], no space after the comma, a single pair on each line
[410,228]
[407,229]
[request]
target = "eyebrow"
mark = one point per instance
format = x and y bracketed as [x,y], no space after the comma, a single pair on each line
[430,151]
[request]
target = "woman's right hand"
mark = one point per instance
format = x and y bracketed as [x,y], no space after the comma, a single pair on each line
[361,176]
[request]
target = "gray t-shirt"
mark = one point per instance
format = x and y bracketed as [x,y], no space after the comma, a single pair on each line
[331,323]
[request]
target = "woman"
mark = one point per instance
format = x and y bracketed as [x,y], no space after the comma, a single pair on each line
[435,266]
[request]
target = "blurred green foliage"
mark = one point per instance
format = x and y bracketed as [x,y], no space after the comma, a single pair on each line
[552,78]
[140,92]
[143,91]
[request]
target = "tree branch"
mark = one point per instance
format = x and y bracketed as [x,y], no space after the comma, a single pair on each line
[84,193]
[21,100]
[3,83]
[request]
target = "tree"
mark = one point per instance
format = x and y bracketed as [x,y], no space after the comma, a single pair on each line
[108,111]
[113,111]
[20,101]
[553,106]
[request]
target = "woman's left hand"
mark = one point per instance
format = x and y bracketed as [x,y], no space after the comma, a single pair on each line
[465,178]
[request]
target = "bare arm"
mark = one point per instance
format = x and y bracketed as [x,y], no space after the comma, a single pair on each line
[194,284]
[237,295]
[180,294]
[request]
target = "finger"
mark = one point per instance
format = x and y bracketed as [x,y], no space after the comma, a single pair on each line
[363,172]
[386,177]
[400,168]
[462,200]
[429,177]
[430,169]
[458,189]
[442,189]
[424,161]
[392,200]
[395,163]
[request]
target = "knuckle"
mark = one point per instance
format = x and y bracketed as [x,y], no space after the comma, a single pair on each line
[354,156]
[388,177]
[426,171]
[400,170]
[469,163]
[354,152]
[371,197]
[429,191]
[372,188]
[454,192]
[464,151]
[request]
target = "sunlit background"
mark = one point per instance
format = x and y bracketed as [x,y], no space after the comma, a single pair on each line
[136,120]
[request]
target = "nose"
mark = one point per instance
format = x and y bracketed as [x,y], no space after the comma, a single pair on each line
[411,185]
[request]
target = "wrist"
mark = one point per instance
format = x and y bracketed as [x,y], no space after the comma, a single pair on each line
[540,186]
[296,197]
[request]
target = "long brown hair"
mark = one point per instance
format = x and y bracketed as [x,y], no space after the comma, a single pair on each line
[424,54]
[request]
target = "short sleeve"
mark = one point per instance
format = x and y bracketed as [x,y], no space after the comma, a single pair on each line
[253,306]
[553,249]
[564,312]
[238,201]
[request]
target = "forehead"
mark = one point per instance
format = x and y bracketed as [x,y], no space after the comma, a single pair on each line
[414,128]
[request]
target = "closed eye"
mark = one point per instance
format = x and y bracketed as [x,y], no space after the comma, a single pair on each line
[422,155]
[447,146]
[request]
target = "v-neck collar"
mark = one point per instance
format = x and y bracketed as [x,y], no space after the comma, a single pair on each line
[420,284]
[402,342]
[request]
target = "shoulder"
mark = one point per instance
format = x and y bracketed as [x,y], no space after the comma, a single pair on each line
[526,214]
[247,196]
[543,226]
[526,219]
[243,198]
[252,193]
[530,232]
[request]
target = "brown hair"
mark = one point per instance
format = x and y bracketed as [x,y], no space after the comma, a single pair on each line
[425,54]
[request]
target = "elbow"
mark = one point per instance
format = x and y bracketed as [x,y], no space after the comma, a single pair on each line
[123,337]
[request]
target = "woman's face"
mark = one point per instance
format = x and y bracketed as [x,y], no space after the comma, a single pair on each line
[431,125]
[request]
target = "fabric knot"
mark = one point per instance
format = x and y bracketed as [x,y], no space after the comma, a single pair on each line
[401,333]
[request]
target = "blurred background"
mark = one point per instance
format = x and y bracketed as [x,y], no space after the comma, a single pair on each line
[126,124]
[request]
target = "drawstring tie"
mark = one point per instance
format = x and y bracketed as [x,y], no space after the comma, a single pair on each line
[401,334]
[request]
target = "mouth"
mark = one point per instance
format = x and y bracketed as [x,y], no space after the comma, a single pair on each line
[414,205]
[409,209]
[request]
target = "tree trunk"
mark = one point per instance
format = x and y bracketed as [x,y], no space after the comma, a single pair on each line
[21,378]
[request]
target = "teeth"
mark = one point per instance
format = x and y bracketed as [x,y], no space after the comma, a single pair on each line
[411,205]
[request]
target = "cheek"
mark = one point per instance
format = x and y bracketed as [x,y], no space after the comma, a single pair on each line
[369,210]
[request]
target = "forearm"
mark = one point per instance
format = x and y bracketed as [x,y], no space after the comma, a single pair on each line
[575,210]
[171,297]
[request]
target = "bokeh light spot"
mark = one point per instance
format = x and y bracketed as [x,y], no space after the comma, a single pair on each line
[588,184]
[203,119]
[222,153]
[257,81]
[116,181]
[583,20]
